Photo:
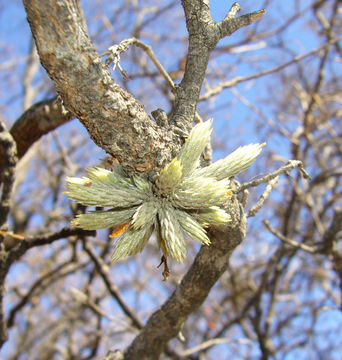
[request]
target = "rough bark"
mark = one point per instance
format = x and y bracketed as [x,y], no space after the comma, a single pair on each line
[115,120]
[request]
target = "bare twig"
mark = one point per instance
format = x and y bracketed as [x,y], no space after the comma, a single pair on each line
[85,299]
[31,241]
[212,342]
[231,23]
[113,55]
[103,270]
[263,197]
[42,283]
[309,249]
[292,164]
[32,67]
[235,8]
[330,235]
[241,79]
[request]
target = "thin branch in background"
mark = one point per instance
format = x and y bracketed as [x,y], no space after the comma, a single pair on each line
[331,246]
[29,242]
[103,270]
[263,197]
[309,249]
[32,67]
[240,79]
[292,164]
[46,280]
[330,237]
[212,342]
[85,299]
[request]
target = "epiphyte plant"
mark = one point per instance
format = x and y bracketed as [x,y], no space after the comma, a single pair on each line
[184,199]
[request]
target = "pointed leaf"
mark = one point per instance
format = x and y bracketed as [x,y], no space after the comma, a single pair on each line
[211,216]
[103,219]
[171,233]
[104,188]
[233,164]
[191,151]
[145,214]
[200,193]
[191,227]
[132,242]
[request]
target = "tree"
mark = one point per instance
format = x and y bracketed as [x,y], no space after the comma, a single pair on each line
[262,297]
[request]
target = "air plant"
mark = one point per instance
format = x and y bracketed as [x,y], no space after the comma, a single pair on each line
[184,199]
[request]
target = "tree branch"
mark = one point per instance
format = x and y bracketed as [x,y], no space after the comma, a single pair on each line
[38,120]
[204,34]
[8,152]
[284,239]
[263,197]
[8,156]
[29,242]
[115,120]
[291,164]
[231,23]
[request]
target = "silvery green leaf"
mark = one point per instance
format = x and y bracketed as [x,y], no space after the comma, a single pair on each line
[171,233]
[145,214]
[190,153]
[160,240]
[97,196]
[104,219]
[169,177]
[104,188]
[104,176]
[237,161]
[211,216]
[200,193]
[191,227]
[132,242]
[142,184]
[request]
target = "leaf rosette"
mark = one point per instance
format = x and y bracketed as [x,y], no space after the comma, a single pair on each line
[184,200]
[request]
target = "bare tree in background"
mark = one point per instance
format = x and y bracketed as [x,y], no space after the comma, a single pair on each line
[280,292]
